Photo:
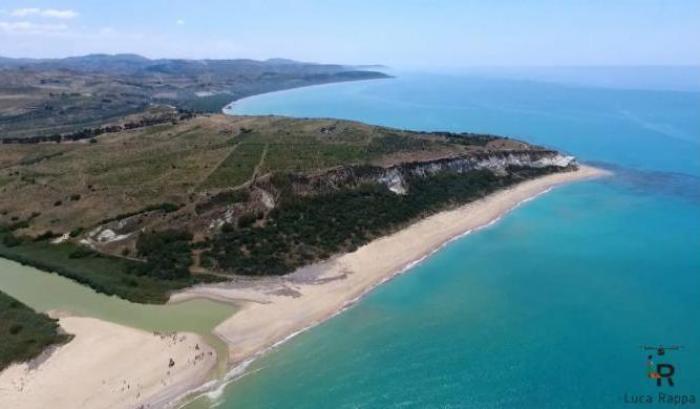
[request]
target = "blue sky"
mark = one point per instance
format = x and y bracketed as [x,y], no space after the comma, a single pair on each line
[405,33]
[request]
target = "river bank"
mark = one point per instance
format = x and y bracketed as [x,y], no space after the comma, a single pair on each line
[109,335]
[109,366]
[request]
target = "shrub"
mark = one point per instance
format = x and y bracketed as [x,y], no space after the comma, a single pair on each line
[47,235]
[81,252]
[168,253]
[247,220]
[10,240]
[168,207]
[76,232]
[304,229]
[18,225]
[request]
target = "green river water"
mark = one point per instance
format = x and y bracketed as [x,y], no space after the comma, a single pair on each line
[44,291]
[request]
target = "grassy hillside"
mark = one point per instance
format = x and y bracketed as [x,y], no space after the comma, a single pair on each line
[62,187]
[24,332]
[141,212]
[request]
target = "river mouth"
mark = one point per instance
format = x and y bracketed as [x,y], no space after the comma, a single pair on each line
[46,292]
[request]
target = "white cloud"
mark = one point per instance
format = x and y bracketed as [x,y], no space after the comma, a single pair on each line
[180,22]
[25,12]
[27,27]
[62,14]
[49,13]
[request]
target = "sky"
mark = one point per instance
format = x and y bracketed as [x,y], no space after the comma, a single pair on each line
[400,33]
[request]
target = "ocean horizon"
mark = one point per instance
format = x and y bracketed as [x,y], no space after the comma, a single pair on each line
[549,307]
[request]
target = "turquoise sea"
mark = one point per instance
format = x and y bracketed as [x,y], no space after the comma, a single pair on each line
[549,307]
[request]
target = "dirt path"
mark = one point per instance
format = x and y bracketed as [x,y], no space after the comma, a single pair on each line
[259,165]
[197,187]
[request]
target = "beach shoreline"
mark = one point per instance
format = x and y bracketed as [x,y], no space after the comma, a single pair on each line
[229,109]
[108,365]
[274,310]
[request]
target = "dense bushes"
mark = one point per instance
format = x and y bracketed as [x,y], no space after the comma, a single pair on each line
[10,240]
[81,252]
[128,279]
[168,253]
[163,207]
[396,143]
[91,133]
[24,333]
[247,220]
[304,230]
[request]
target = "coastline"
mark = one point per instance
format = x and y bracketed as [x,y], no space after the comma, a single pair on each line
[228,109]
[274,310]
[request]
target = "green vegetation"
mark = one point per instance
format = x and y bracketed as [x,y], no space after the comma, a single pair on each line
[251,195]
[237,168]
[71,99]
[24,332]
[468,138]
[163,207]
[307,229]
[301,156]
[105,274]
[223,199]
[396,143]
[168,254]
[10,240]
[160,167]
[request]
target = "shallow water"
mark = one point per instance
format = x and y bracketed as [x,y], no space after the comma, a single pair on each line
[44,291]
[547,308]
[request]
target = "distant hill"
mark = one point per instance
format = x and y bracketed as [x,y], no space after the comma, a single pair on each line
[40,97]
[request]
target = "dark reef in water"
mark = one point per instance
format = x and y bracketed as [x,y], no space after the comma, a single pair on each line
[681,185]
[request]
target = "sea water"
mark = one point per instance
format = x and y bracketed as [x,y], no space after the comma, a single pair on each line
[548,308]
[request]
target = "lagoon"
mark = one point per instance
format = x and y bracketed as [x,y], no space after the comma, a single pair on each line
[45,292]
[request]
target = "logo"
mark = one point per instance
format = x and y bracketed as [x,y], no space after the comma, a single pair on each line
[663,370]
[663,373]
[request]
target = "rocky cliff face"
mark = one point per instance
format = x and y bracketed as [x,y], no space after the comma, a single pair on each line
[394,178]
[266,194]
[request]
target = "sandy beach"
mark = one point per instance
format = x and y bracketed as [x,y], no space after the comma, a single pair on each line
[111,366]
[107,365]
[276,308]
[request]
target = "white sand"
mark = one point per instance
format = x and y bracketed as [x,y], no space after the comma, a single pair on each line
[109,366]
[274,309]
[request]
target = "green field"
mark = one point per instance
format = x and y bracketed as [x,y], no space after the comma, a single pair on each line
[24,332]
[237,168]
